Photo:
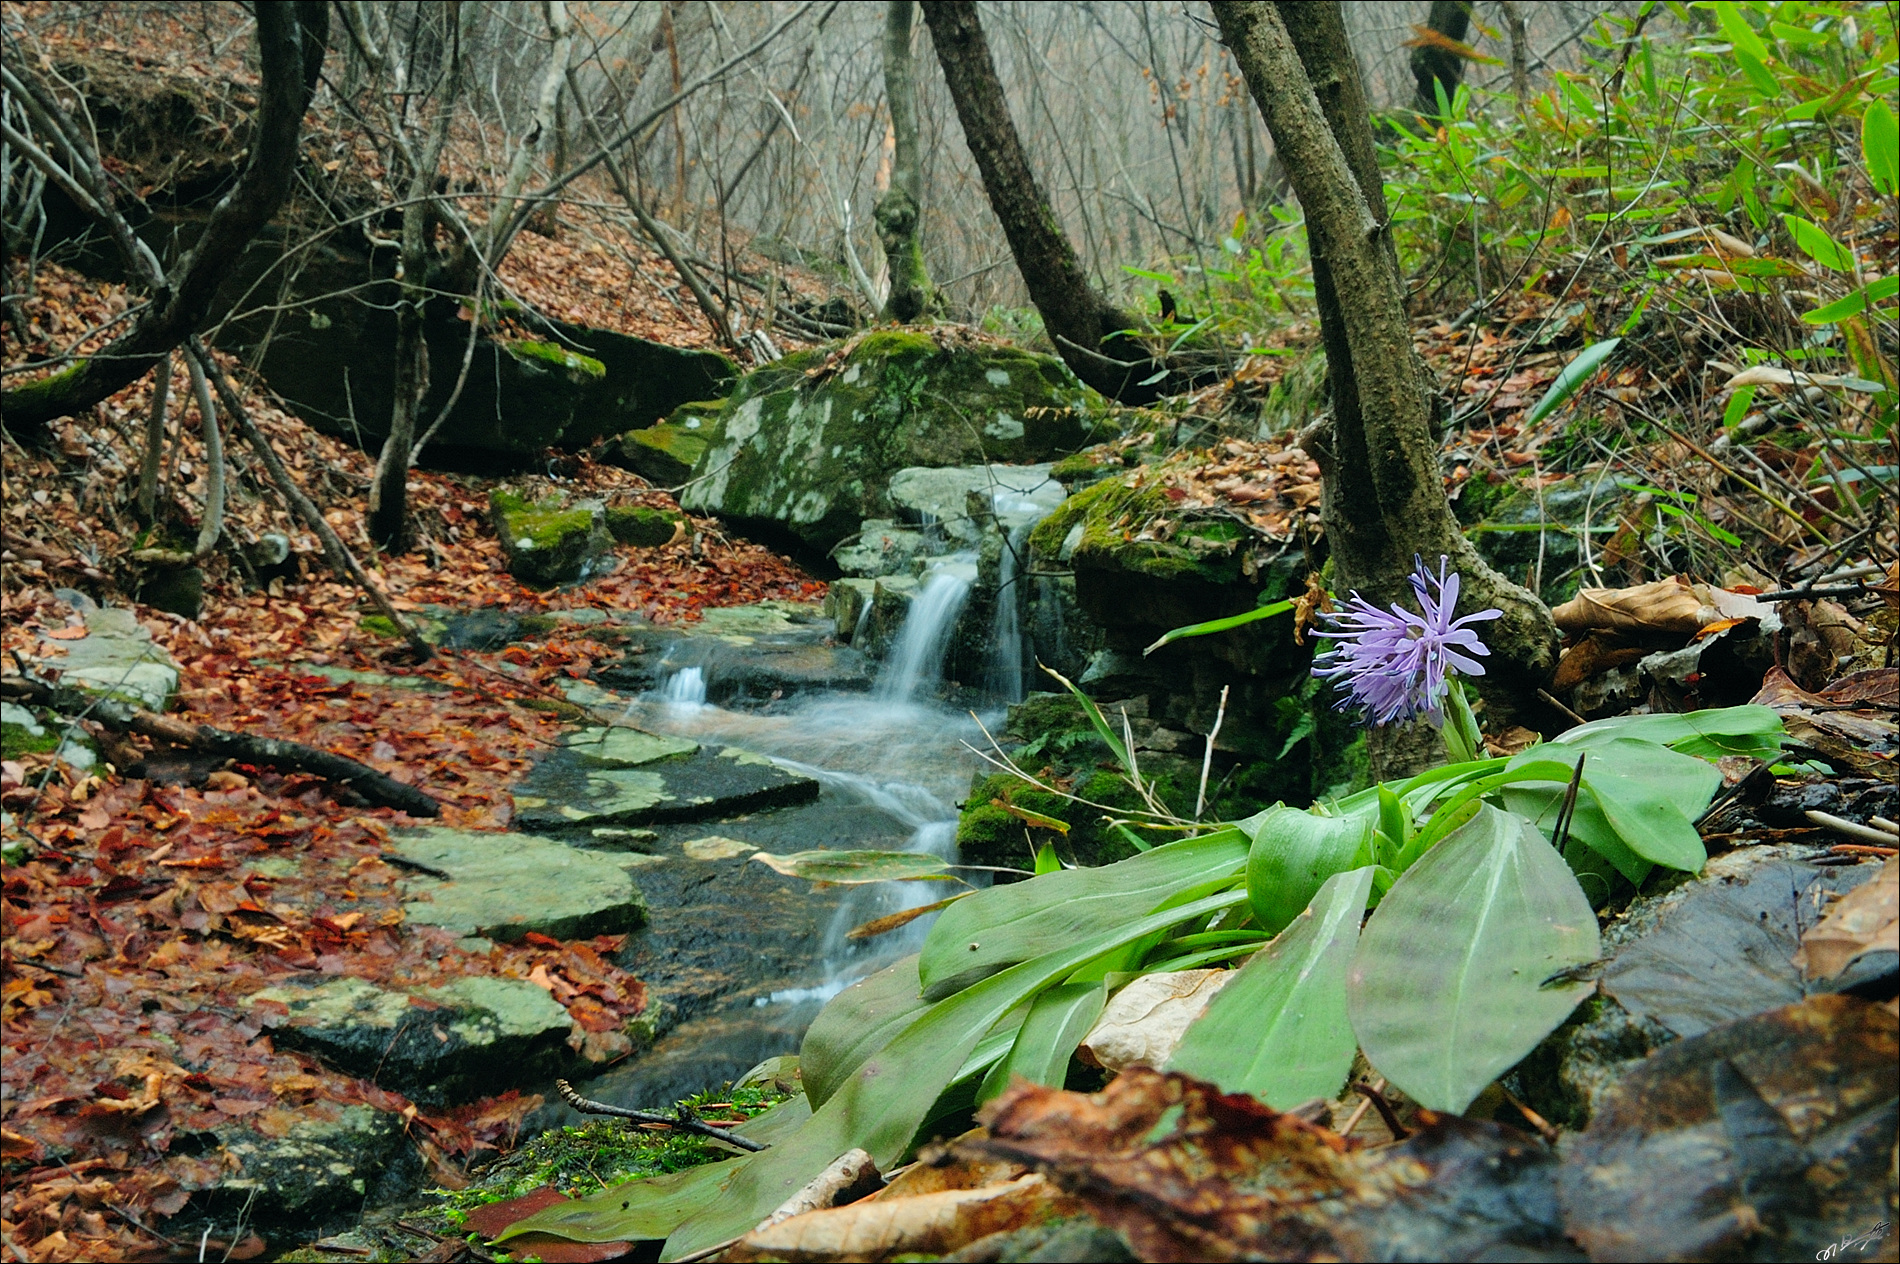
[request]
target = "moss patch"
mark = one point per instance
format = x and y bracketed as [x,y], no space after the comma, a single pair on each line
[557,355]
[643,527]
[1114,512]
[550,541]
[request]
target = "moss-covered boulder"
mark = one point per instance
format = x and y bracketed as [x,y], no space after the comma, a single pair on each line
[553,540]
[805,447]
[644,527]
[666,453]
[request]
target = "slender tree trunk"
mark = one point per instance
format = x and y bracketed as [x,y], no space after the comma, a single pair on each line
[212,524]
[290,40]
[153,457]
[1383,501]
[1520,51]
[388,507]
[1434,65]
[1081,322]
[899,212]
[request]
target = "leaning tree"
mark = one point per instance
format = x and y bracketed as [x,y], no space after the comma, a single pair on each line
[1383,499]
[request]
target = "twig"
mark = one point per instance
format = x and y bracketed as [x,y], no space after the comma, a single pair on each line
[1359,1111]
[682,1120]
[1556,702]
[1207,757]
[1561,834]
[1863,849]
[1544,1127]
[1865,833]
[403,862]
[1391,1117]
[1803,594]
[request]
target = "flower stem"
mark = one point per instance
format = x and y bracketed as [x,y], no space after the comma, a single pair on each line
[1463,740]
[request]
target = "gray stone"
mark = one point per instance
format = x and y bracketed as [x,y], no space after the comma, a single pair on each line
[962,499]
[324,1163]
[22,731]
[117,659]
[848,602]
[505,885]
[467,1039]
[807,446]
[618,747]
[882,548]
[755,652]
[562,794]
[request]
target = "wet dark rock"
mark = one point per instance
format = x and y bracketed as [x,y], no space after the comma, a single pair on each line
[178,590]
[566,792]
[1768,1138]
[1710,950]
[754,653]
[553,540]
[467,1039]
[327,1161]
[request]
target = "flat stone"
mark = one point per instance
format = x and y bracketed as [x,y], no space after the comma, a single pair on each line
[504,885]
[372,680]
[323,1163]
[618,747]
[958,498]
[716,847]
[882,548]
[117,659]
[562,794]
[466,1039]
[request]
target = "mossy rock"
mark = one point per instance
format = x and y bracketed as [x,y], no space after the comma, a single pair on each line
[643,527]
[578,366]
[552,540]
[805,447]
[1524,530]
[1096,528]
[665,454]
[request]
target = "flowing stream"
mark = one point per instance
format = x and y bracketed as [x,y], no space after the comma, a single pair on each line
[747,957]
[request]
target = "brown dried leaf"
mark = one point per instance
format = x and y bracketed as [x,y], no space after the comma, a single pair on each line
[1145,1021]
[1667,605]
[1867,919]
[924,1224]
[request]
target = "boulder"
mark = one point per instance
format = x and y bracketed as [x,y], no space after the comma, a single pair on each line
[881,547]
[471,1038]
[116,659]
[962,500]
[564,793]
[665,454]
[325,1161]
[805,447]
[552,540]
[643,527]
[502,886]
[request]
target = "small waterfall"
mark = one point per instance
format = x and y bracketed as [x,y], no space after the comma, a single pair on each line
[1006,629]
[685,688]
[916,660]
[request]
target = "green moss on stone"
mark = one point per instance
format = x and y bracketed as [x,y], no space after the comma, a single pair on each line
[1114,511]
[643,527]
[555,354]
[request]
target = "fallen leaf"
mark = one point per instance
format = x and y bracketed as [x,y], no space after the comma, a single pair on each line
[1145,1021]
[924,1224]
[1865,920]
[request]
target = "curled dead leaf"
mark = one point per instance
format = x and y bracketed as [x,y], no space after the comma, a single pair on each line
[1145,1021]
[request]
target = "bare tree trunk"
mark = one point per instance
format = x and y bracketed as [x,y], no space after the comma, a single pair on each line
[1434,65]
[1383,500]
[154,453]
[1082,323]
[1520,51]
[290,40]
[388,506]
[212,524]
[899,212]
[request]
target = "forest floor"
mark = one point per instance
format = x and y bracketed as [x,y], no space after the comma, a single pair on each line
[137,915]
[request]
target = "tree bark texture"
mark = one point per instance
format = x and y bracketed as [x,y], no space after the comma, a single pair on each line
[1433,65]
[1383,501]
[290,39]
[1079,319]
[1520,51]
[899,213]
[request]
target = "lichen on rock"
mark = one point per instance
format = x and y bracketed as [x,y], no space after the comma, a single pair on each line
[552,540]
[806,446]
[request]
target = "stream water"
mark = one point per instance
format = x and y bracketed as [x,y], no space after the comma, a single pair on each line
[746,957]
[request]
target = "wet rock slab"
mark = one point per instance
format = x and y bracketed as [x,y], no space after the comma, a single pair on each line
[755,652]
[466,1039]
[325,1162]
[116,659]
[501,886]
[566,792]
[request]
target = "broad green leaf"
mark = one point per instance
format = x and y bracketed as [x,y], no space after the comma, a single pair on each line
[1046,859]
[1744,730]
[1880,146]
[1854,304]
[642,1210]
[1817,245]
[1739,33]
[1446,991]
[1647,819]
[1222,625]
[855,1024]
[881,1105]
[1057,1021]
[1643,793]
[1007,924]
[1541,801]
[1294,852]
[850,868]
[1278,1030]
[1571,380]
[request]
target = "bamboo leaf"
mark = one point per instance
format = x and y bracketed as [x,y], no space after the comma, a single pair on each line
[1279,1029]
[1221,625]
[852,868]
[1446,990]
[1880,146]
[1575,374]
[903,917]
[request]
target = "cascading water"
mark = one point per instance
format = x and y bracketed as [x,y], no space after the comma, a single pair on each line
[685,688]
[917,656]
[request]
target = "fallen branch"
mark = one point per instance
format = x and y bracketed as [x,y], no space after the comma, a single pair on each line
[682,1120]
[262,752]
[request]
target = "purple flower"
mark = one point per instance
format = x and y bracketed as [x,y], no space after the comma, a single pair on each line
[1395,665]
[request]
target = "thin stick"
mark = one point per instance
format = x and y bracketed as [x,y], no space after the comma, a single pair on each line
[1556,702]
[1207,757]
[1863,833]
[682,1120]
[1561,835]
